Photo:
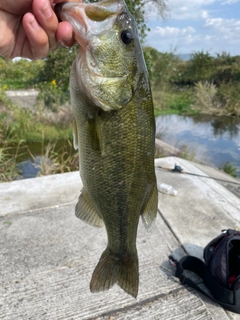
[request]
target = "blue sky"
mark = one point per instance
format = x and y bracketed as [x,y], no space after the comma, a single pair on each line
[196,25]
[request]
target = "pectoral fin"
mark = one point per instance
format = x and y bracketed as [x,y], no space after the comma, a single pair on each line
[150,212]
[93,134]
[96,137]
[86,211]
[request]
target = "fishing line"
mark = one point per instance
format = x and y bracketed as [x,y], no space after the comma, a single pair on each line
[178,169]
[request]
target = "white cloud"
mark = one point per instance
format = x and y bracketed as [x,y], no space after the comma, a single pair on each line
[227,31]
[209,38]
[170,38]
[180,10]
[189,9]
[171,32]
[227,28]
[220,34]
[230,2]
[192,26]
[204,14]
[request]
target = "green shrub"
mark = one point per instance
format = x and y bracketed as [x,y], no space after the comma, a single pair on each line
[54,78]
[52,96]
[162,67]
[199,68]
[21,74]
[226,74]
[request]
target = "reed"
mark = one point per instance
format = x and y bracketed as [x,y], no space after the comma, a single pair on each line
[205,95]
[53,160]
[9,170]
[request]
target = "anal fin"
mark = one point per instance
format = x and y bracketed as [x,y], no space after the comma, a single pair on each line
[150,211]
[86,211]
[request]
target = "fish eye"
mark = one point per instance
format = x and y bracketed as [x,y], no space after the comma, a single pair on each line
[126,36]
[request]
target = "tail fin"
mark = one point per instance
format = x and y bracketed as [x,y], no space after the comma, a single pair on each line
[111,270]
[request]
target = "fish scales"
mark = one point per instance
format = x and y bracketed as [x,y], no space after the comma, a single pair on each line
[114,131]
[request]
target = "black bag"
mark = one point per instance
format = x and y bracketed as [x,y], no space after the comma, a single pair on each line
[220,272]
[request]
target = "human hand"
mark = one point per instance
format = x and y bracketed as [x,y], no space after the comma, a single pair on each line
[30,28]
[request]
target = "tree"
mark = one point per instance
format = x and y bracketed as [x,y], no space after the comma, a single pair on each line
[137,9]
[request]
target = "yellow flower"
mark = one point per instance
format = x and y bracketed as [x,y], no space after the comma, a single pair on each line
[5,87]
[54,83]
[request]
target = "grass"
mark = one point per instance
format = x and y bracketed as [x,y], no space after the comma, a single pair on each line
[173,102]
[188,154]
[22,124]
[230,169]
[28,127]
[204,98]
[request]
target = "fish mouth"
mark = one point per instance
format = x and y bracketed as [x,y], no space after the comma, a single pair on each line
[95,11]
[88,18]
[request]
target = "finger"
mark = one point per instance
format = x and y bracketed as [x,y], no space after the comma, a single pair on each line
[19,8]
[37,45]
[47,19]
[65,34]
[61,1]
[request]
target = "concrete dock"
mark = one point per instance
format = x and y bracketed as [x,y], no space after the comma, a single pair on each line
[47,255]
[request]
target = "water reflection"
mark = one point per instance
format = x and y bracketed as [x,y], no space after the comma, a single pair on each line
[229,126]
[214,140]
[220,125]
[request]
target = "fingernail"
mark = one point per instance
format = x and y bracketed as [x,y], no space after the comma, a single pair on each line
[47,10]
[34,24]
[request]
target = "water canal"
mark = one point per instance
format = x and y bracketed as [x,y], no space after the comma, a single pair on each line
[214,140]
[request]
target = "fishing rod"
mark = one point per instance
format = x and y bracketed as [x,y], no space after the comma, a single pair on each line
[178,169]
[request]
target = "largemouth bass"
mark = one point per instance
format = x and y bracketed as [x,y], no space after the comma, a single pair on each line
[114,131]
